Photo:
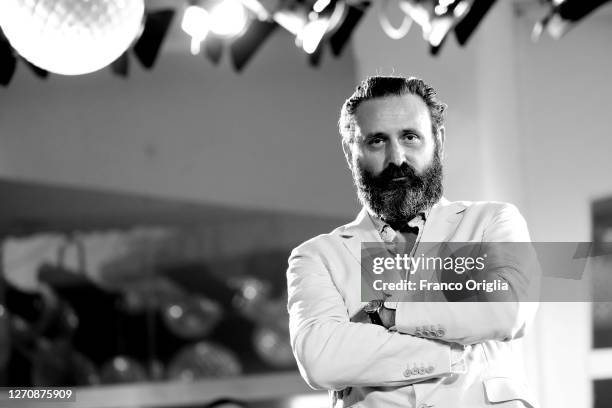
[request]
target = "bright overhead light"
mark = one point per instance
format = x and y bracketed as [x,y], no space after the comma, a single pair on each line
[461,9]
[312,34]
[320,5]
[316,26]
[439,30]
[196,23]
[438,18]
[228,18]
[71,37]
[440,9]
[291,21]
[564,15]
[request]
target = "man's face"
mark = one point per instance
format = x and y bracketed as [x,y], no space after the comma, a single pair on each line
[395,157]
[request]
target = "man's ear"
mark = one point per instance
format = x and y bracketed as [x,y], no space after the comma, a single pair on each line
[348,155]
[440,134]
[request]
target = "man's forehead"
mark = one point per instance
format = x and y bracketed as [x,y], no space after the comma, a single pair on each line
[409,111]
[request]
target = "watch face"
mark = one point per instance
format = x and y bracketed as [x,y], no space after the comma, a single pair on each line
[390,305]
[373,306]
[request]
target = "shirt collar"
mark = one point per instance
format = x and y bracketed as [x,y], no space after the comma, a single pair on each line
[387,233]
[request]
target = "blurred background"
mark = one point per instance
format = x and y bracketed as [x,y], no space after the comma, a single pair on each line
[160,159]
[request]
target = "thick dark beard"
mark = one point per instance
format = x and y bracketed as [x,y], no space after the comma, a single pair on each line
[397,202]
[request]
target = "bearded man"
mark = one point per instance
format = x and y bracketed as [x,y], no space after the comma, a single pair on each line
[403,353]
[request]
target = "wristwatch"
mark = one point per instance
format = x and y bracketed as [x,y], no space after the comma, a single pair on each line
[372,309]
[390,305]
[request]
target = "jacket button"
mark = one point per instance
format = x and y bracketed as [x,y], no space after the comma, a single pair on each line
[415,371]
[407,372]
[440,332]
[430,369]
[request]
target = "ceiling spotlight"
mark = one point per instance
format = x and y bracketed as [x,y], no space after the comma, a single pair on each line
[341,35]
[196,23]
[263,12]
[312,34]
[228,18]
[563,16]
[320,5]
[293,21]
[8,61]
[318,26]
[466,27]
[436,18]
[244,47]
[155,29]
[439,30]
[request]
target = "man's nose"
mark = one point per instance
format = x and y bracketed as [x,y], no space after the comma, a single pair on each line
[395,154]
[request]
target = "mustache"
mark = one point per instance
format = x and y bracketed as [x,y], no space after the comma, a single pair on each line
[393,171]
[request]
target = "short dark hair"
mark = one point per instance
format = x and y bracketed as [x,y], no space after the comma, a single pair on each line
[382,86]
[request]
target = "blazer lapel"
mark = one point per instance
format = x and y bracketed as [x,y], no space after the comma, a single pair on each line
[442,221]
[360,230]
[441,224]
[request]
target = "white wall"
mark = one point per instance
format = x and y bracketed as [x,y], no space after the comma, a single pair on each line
[565,107]
[266,138]
[564,92]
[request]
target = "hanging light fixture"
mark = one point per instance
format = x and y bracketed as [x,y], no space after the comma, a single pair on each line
[354,13]
[309,26]
[196,23]
[563,15]
[436,18]
[71,37]
[8,62]
[216,23]
[311,34]
[466,27]
[155,29]
[244,48]
[228,18]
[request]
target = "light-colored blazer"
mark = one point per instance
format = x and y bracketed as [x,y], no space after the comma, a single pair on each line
[443,354]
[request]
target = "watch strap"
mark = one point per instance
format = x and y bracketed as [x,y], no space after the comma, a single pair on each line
[375,318]
[372,309]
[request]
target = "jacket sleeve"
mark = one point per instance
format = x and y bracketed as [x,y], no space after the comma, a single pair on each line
[501,315]
[334,353]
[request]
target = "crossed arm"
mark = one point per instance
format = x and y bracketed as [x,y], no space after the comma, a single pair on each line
[500,315]
[333,353]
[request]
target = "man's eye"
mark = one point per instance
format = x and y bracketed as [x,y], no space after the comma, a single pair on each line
[375,142]
[410,136]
